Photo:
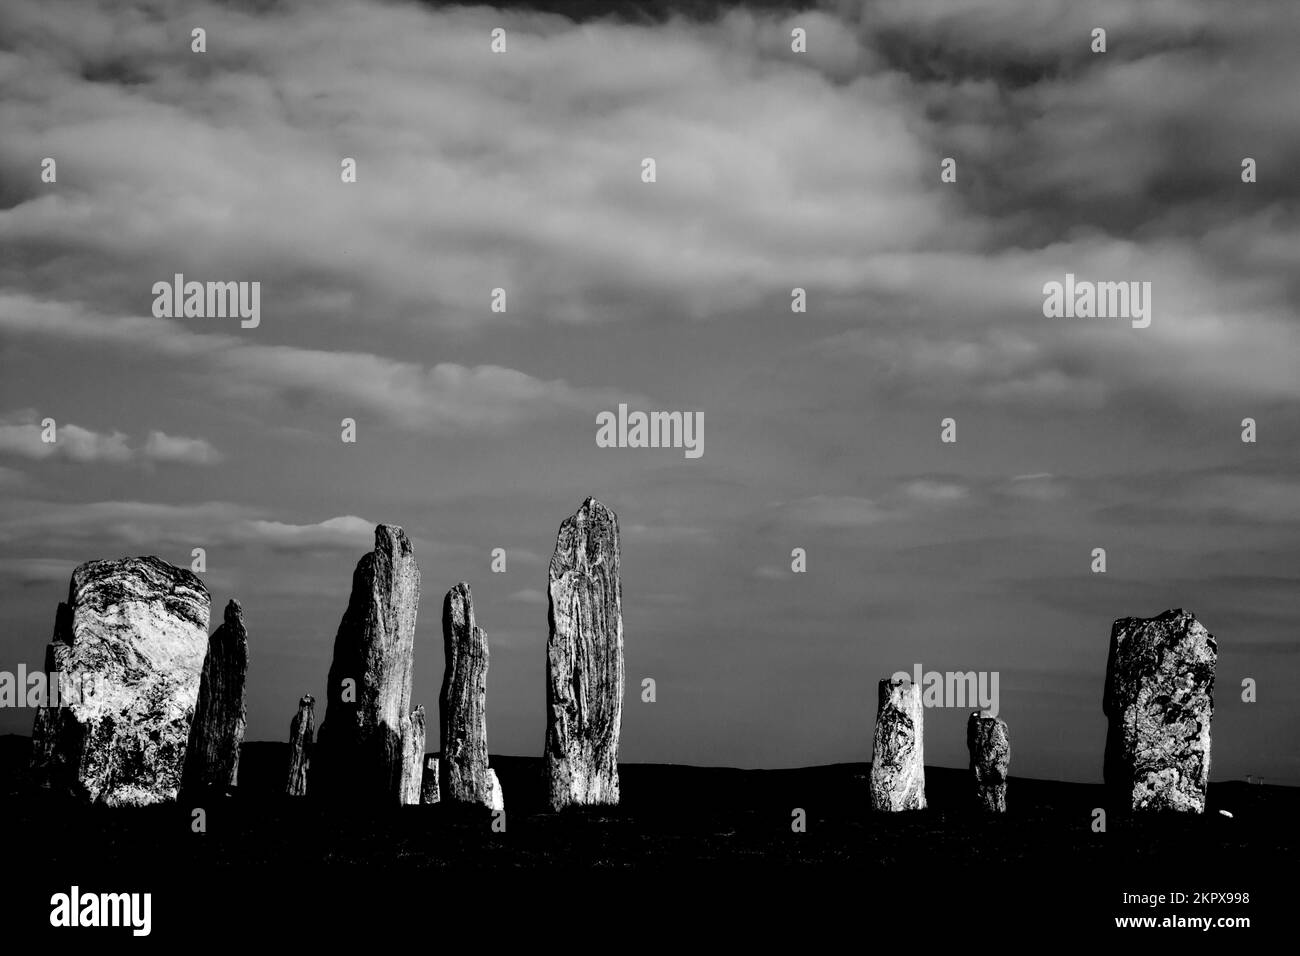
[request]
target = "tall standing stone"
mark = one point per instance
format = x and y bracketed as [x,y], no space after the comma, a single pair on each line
[136,631]
[412,772]
[898,755]
[359,749]
[301,735]
[989,744]
[212,758]
[584,660]
[1159,698]
[463,702]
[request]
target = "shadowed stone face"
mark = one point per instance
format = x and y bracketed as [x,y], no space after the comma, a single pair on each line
[429,787]
[1159,698]
[898,755]
[138,627]
[359,752]
[463,702]
[212,760]
[584,660]
[989,743]
[301,735]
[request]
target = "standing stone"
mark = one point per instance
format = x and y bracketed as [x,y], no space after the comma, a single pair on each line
[463,702]
[136,631]
[47,731]
[429,792]
[359,752]
[989,744]
[584,660]
[898,758]
[301,733]
[1159,698]
[212,758]
[496,797]
[412,774]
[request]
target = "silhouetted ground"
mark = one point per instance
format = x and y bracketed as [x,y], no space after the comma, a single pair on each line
[711,847]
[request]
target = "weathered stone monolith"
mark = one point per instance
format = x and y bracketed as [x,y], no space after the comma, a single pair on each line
[989,744]
[429,791]
[359,748]
[1159,698]
[412,773]
[584,660]
[463,703]
[217,732]
[898,755]
[133,636]
[301,734]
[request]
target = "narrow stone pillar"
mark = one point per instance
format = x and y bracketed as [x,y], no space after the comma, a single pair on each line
[898,756]
[463,702]
[989,744]
[301,734]
[584,660]
[217,731]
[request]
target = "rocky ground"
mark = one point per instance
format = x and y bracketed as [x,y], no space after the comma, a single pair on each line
[714,846]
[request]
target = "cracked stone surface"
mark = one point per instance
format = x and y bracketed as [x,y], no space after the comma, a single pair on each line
[301,737]
[989,743]
[584,660]
[1159,699]
[359,752]
[136,630]
[463,702]
[898,753]
[217,732]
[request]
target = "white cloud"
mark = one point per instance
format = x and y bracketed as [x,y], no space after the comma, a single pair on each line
[926,490]
[444,398]
[343,532]
[172,528]
[1040,486]
[775,170]
[175,448]
[556,213]
[21,434]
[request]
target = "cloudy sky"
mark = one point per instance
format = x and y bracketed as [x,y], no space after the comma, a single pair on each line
[476,429]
